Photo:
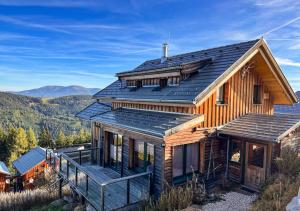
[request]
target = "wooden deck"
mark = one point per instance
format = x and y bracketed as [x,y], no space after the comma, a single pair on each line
[102,187]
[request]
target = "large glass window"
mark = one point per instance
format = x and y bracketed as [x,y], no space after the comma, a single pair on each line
[143,155]
[235,151]
[185,161]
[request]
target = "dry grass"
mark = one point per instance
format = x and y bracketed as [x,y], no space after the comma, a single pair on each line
[26,199]
[283,186]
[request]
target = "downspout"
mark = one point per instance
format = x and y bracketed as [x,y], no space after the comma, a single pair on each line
[227,159]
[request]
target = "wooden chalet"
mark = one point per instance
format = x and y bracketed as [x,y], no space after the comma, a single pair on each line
[4,177]
[31,166]
[208,112]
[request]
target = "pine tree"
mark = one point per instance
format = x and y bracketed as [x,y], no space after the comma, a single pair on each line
[45,139]
[32,141]
[61,139]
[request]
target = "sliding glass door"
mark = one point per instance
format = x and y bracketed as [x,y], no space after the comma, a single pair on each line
[185,162]
[115,151]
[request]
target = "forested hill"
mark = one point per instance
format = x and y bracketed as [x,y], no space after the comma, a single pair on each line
[56,114]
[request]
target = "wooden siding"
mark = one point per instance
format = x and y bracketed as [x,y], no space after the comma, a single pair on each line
[3,185]
[35,173]
[240,101]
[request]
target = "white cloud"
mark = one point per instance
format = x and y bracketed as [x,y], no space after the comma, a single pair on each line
[287,62]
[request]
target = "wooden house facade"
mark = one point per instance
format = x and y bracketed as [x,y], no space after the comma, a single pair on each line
[4,177]
[209,112]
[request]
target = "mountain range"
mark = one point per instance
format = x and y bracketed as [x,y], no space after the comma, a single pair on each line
[58,91]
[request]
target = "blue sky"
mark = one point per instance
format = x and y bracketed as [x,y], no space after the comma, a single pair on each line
[86,42]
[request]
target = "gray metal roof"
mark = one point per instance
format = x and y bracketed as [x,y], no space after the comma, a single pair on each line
[152,123]
[189,89]
[93,109]
[262,127]
[4,169]
[29,160]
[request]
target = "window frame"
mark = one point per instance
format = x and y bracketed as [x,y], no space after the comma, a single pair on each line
[257,90]
[222,94]
[230,151]
[145,155]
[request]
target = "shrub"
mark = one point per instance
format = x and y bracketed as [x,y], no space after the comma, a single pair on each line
[289,162]
[26,199]
[179,197]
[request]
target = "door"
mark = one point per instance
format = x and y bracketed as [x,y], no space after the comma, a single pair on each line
[256,157]
[115,151]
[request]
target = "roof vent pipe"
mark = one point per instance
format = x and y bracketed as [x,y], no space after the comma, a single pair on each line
[164,52]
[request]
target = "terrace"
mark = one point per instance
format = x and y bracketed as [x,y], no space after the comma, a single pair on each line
[99,185]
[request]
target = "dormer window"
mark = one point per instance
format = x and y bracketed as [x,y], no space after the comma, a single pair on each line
[222,94]
[139,84]
[163,82]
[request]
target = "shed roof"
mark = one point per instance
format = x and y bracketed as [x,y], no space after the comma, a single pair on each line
[4,169]
[188,90]
[93,109]
[263,127]
[153,123]
[29,160]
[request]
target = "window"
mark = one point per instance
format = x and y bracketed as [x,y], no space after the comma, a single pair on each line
[115,150]
[256,155]
[257,94]
[163,82]
[222,94]
[185,161]
[235,152]
[143,156]
[139,84]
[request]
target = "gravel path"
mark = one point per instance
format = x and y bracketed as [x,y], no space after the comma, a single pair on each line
[233,201]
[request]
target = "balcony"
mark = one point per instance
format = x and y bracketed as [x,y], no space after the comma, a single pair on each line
[100,186]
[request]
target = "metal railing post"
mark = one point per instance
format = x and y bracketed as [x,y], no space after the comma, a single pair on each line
[86,184]
[67,169]
[102,198]
[60,163]
[80,157]
[128,191]
[76,176]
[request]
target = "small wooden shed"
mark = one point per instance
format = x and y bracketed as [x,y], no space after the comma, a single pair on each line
[31,166]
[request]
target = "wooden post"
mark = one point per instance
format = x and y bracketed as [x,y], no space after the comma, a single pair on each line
[227,159]
[60,167]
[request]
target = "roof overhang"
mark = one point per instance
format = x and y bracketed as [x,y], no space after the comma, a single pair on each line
[260,49]
[149,123]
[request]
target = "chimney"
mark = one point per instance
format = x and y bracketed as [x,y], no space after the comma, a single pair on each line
[164,52]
